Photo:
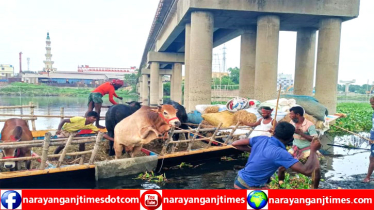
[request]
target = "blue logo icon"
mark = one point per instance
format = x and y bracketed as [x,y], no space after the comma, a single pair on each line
[11,199]
[257,199]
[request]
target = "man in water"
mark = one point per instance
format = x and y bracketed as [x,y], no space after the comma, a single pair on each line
[371,164]
[95,97]
[264,125]
[268,154]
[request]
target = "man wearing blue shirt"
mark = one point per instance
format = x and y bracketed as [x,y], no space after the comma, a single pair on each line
[371,164]
[268,154]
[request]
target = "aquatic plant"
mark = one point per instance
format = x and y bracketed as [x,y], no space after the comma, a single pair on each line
[244,155]
[225,158]
[358,118]
[151,177]
[299,181]
[185,165]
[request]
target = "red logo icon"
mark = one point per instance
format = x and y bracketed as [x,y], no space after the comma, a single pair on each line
[151,200]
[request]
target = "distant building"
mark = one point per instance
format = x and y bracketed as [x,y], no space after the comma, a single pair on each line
[6,71]
[48,56]
[285,80]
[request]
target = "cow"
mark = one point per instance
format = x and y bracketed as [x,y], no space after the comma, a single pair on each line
[16,130]
[142,127]
[182,116]
[115,114]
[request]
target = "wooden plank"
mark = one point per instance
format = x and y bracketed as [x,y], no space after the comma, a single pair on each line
[15,174]
[96,147]
[40,144]
[16,107]
[32,113]
[52,140]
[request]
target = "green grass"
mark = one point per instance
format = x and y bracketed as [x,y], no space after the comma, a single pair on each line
[358,118]
[26,89]
[299,181]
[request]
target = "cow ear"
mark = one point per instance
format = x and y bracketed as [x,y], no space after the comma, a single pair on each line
[159,108]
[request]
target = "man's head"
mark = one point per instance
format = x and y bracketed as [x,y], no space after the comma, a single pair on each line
[297,114]
[117,83]
[372,102]
[284,132]
[266,112]
[92,117]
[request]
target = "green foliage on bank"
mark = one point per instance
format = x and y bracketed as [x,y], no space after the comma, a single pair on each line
[25,89]
[358,118]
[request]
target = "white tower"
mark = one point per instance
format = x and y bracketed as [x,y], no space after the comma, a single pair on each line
[48,56]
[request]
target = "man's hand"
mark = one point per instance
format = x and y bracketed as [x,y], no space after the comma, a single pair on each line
[120,98]
[299,131]
[315,145]
[58,132]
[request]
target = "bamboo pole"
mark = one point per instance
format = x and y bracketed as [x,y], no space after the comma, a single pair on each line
[48,116]
[276,108]
[52,140]
[49,156]
[231,133]
[32,113]
[362,137]
[171,133]
[62,113]
[47,140]
[96,147]
[31,118]
[194,138]
[81,160]
[213,136]
[9,146]
[65,149]
[17,107]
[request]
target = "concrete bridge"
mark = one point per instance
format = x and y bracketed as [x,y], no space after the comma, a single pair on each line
[184,32]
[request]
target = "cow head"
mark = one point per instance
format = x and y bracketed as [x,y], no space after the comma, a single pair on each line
[169,114]
[10,153]
[135,104]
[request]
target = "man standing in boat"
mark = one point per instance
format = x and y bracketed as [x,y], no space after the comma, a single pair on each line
[264,125]
[95,98]
[371,164]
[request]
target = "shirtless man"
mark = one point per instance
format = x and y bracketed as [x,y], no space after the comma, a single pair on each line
[262,126]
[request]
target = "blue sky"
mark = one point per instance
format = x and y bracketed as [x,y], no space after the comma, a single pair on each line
[113,33]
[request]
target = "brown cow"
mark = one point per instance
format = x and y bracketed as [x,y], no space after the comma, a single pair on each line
[142,127]
[16,130]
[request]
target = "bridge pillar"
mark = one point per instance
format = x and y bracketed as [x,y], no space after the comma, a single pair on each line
[247,63]
[161,90]
[305,58]
[139,87]
[266,57]
[176,83]
[201,51]
[155,86]
[328,62]
[187,67]
[145,90]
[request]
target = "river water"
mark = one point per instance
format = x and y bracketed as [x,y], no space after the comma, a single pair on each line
[342,167]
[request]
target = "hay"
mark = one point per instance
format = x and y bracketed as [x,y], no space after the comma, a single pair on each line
[244,117]
[311,118]
[225,117]
[211,109]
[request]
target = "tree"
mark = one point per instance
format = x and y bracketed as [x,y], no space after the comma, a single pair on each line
[234,75]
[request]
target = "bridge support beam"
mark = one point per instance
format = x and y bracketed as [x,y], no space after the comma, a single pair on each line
[187,67]
[305,58]
[328,62]
[155,86]
[145,90]
[176,83]
[201,52]
[247,64]
[267,57]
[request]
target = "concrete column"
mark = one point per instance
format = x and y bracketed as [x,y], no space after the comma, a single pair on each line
[177,83]
[201,47]
[154,88]
[145,90]
[139,90]
[267,57]
[161,90]
[305,58]
[187,67]
[328,62]
[171,86]
[247,64]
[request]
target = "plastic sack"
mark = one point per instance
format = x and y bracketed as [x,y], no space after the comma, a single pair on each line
[215,119]
[194,117]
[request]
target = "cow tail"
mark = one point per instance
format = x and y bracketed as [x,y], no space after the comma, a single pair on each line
[17,132]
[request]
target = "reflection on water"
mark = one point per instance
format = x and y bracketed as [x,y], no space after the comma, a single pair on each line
[73,106]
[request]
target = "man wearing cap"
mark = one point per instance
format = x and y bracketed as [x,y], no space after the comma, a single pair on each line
[95,97]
